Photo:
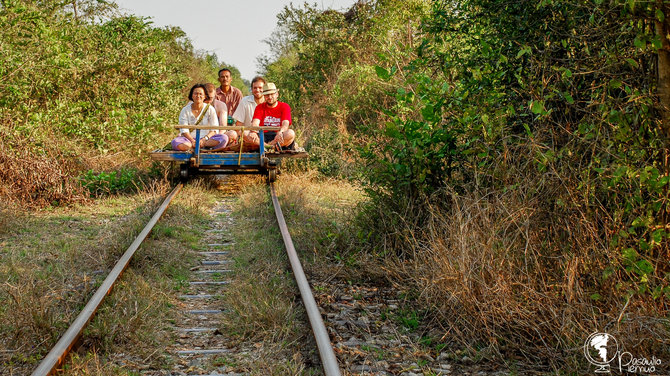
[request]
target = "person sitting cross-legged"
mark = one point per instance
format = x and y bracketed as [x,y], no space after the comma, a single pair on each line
[272,113]
[197,112]
[245,110]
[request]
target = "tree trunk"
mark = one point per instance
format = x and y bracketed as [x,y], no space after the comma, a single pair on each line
[664,69]
[662,30]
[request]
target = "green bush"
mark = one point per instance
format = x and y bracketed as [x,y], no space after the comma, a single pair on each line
[80,86]
[550,111]
[326,147]
[102,183]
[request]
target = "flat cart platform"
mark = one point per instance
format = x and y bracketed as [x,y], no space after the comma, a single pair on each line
[199,161]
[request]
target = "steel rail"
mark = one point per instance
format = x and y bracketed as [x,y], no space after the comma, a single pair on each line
[328,359]
[58,353]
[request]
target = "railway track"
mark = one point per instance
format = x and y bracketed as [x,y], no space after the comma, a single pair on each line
[196,330]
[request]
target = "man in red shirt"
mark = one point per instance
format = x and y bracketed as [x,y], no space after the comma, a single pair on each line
[272,113]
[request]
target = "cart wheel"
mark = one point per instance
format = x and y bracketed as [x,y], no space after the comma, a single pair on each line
[183,173]
[272,175]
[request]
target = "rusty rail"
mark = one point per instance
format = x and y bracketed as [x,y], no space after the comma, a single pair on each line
[58,353]
[328,359]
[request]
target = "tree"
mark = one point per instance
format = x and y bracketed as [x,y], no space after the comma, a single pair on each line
[662,23]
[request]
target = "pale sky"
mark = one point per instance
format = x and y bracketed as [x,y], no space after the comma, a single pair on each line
[234,30]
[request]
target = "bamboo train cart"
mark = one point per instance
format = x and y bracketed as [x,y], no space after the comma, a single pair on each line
[202,162]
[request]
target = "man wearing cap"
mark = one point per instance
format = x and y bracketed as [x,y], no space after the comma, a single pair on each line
[227,94]
[272,113]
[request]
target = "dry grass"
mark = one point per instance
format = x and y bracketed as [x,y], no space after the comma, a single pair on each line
[501,278]
[262,307]
[132,325]
[39,176]
[51,262]
[266,309]
[504,288]
[320,213]
[9,216]
[291,365]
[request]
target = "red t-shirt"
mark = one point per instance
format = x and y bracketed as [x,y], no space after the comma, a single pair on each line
[272,117]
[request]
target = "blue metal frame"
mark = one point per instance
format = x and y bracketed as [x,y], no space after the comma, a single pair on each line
[197,163]
[249,159]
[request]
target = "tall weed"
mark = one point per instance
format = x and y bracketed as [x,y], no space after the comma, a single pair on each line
[498,278]
[39,177]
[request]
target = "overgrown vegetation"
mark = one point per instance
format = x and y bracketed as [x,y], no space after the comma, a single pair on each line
[108,183]
[53,261]
[85,89]
[263,309]
[516,155]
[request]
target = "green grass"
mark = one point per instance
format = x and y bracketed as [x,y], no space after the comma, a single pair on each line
[161,230]
[409,319]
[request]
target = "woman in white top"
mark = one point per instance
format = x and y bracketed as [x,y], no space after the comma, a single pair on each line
[197,112]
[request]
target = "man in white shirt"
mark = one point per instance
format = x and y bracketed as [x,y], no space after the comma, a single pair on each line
[245,110]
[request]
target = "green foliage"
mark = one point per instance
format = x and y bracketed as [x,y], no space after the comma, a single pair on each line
[488,92]
[555,103]
[328,57]
[572,95]
[317,40]
[325,148]
[410,319]
[80,85]
[418,152]
[105,183]
[95,82]
[110,83]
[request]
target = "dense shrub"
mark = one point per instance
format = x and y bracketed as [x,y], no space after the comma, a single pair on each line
[327,146]
[574,94]
[36,178]
[88,84]
[516,157]
[324,63]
